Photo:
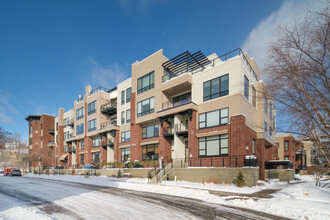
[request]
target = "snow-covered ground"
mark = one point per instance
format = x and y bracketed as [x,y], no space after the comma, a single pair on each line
[296,200]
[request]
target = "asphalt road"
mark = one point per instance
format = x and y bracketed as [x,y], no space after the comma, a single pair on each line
[69,200]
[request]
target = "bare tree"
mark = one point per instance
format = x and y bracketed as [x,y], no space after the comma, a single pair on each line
[298,73]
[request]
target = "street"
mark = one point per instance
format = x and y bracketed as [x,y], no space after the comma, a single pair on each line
[69,200]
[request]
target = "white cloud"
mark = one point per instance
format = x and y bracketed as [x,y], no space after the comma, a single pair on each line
[257,41]
[7,110]
[107,76]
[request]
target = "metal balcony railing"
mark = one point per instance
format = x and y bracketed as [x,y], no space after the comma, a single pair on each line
[109,108]
[69,122]
[69,136]
[167,105]
[167,131]
[181,128]
[98,89]
[108,123]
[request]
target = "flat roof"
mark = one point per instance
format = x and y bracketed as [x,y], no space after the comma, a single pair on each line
[30,118]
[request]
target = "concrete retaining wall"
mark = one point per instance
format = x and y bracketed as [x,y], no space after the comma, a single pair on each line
[283,175]
[215,175]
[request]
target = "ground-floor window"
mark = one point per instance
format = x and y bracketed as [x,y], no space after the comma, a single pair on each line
[125,154]
[150,152]
[213,146]
[82,159]
[96,156]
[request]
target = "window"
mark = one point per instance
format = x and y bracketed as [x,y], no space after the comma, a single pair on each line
[82,145]
[213,118]
[123,97]
[286,145]
[246,87]
[66,148]
[125,154]
[96,156]
[30,141]
[146,107]
[30,129]
[56,126]
[145,82]
[150,131]
[41,127]
[80,129]
[123,117]
[92,125]
[254,96]
[253,146]
[80,113]
[182,99]
[265,127]
[66,121]
[128,95]
[150,152]
[286,158]
[125,136]
[216,87]
[128,116]
[266,101]
[270,111]
[91,108]
[213,146]
[82,158]
[66,135]
[96,142]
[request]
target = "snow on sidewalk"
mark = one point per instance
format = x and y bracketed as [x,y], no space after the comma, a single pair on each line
[297,199]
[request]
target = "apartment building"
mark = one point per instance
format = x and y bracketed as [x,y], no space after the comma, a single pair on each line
[194,110]
[292,149]
[41,134]
[313,155]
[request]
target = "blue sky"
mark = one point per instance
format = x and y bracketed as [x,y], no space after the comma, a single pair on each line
[49,50]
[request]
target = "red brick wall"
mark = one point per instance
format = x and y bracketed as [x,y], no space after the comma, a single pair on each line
[60,146]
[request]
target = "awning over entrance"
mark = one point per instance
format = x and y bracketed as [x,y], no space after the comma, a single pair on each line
[63,157]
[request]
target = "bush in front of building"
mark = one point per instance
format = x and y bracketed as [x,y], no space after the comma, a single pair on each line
[239,181]
[119,174]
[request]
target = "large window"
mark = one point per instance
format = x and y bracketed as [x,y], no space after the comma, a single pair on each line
[146,107]
[213,146]
[123,97]
[213,118]
[92,125]
[145,82]
[80,129]
[150,152]
[128,95]
[125,136]
[265,127]
[150,131]
[216,87]
[80,113]
[97,142]
[82,159]
[91,108]
[123,117]
[286,145]
[246,87]
[128,116]
[125,154]
[96,156]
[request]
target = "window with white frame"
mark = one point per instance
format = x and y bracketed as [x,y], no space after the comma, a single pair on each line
[128,95]
[128,115]
[92,125]
[91,108]
[125,154]
[80,113]
[125,136]
[80,129]
[97,142]
[123,117]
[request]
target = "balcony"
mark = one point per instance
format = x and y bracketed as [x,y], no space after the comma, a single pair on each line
[179,104]
[178,85]
[109,125]
[181,129]
[168,132]
[51,143]
[107,143]
[69,122]
[109,108]
[99,89]
[72,150]
[69,136]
